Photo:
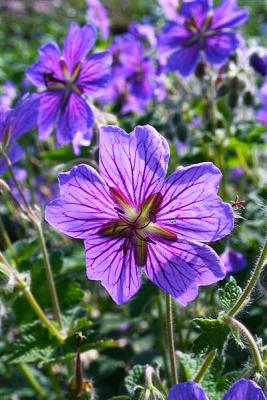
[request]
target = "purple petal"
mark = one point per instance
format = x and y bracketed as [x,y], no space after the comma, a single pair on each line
[220,46]
[228,15]
[49,107]
[170,8]
[135,163]
[180,267]
[76,116]
[245,390]
[25,116]
[98,16]
[196,9]
[191,206]
[15,153]
[84,204]
[173,36]
[78,43]
[6,115]
[186,391]
[184,60]
[49,62]
[95,73]
[107,262]
[234,261]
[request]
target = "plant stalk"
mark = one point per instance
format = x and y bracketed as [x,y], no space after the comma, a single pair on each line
[240,303]
[206,365]
[32,381]
[250,340]
[170,334]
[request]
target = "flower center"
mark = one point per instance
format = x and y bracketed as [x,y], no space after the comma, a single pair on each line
[69,81]
[137,225]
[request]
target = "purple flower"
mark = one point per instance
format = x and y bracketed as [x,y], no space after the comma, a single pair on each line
[236,173]
[130,216]
[259,63]
[65,80]
[234,261]
[134,76]
[198,31]
[241,390]
[13,124]
[98,16]
[262,112]
[144,32]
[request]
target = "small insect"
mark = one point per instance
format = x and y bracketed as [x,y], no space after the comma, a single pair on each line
[239,204]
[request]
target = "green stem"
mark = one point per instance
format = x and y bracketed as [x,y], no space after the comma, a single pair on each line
[37,224]
[49,274]
[162,334]
[238,306]
[206,365]
[32,380]
[170,333]
[250,340]
[32,301]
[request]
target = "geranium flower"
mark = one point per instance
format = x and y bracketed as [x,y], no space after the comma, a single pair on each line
[241,390]
[13,124]
[200,31]
[65,79]
[134,76]
[234,261]
[259,63]
[98,16]
[131,216]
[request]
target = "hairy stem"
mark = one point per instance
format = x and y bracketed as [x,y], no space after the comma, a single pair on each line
[206,365]
[240,303]
[49,274]
[32,381]
[170,334]
[250,341]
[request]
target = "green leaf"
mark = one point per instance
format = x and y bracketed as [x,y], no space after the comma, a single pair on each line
[135,379]
[229,294]
[214,334]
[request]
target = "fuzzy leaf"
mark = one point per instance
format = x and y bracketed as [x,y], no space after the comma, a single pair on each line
[135,379]
[229,294]
[213,334]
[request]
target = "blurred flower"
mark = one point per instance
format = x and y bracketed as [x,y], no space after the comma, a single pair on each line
[201,30]
[13,124]
[236,173]
[97,15]
[259,63]
[9,93]
[65,80]
[181,147]
[144,32]
[134,76]
[170,8]
[234,261]
[243,389]
[130,216]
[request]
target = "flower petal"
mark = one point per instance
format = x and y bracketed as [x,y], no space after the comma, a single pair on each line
[84,205]
[245,390]
[180,267]
[112,262]
[49,108]
[173,36]
[49,63]
[197,9]
[191,206]
[135,163]
[228,15]
[184,60]
[219,46]
[186,391]
[25,117]
[78,43]
[76,116]
[95,73]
